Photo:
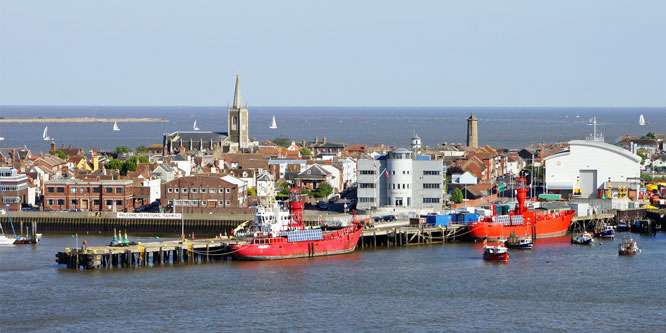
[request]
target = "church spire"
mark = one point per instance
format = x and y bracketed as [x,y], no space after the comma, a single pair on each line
[237,94]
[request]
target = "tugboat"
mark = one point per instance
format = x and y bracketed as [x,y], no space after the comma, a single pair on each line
[278,234]
[628,247]
[522,221]
[606,231]
[583,239]
[495,253]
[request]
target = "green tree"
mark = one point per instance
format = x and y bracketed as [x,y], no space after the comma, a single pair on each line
[114,164]
[123,149]
[129,165]
[141,149]
[457,196]
[251,192]
[306,152]
[642,155]
[138,159]
[282,141]
[324,190]
[60,153]
[649,136]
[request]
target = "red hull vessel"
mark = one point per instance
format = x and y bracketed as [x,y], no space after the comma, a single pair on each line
[522,222]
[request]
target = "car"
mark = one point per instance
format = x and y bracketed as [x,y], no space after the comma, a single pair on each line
[322,204]
[334,198]
[389,218]
[377,219]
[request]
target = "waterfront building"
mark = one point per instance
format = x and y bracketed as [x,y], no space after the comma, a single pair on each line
[236,138]
[15,189]
[325,147]
[205,194]
[89,196]
[472,132]
[589,165]
[310,177]
[400,179]
[416,141]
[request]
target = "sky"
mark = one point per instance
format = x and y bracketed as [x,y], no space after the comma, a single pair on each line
[333,53]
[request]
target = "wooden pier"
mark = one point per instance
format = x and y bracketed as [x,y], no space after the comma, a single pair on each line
[410,235]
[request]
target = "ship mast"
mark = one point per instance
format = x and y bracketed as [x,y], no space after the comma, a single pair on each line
[296,208]
[521,195]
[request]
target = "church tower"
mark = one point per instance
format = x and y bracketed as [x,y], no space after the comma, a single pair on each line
[237,120]
[472,132]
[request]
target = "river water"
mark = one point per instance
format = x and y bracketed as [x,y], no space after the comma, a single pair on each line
[554,287]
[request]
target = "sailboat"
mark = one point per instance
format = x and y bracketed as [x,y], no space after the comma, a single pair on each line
[273,124]
[641,120]
[195,126]
[45,135]
[4,240]
[115,126]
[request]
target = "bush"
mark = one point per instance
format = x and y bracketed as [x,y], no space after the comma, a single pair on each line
[60,154]
[305,152]
[251,192]
[123,149]
[282,141]
[323,190]
[457,196]
[141,149]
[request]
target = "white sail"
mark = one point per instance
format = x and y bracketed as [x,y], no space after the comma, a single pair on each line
[195,126]
[45,135]
[115,126]
[273,124]
[641,120]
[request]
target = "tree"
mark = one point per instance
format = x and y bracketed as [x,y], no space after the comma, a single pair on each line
[138,159]
[60,153]
[306,152]
[251,192]
[649,136]
[454,170]
[324,190]
[642,155]
[123,149]
[457,196]
[141,149]
[129,165]
[114,164]
[282,141]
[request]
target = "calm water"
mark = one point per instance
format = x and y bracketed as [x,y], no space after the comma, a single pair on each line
[504,127]
[556,286]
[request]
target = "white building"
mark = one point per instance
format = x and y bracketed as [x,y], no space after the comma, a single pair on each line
[466,178]
[589,165]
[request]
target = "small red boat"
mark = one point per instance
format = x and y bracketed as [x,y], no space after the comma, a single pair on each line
[522,221]
[277,234]
[495,253]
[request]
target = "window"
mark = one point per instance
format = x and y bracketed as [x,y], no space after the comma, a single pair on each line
[97,190]
[213,190]
[108,190]
[367,185]
[170,190]
[404,186]
[72,189]
[95,202]
[88,189]
[221,190]
[221,203]
[75,201]
[203,190]
[119,202]
[393,172]
[228,190]
[426,185]
[228,202]
[119,190]
[404,172]
[393,186]
[430,200]
[204,202]
[61,190]
[50,189]
[193,190]
[364,199]
[430,172]
[176,190]
[184,190]
[367,172]
[109,202]
[49,202]
[82,190]
[194,202]
[61,202]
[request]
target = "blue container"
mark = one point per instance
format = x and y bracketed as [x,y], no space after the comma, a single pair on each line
[470,218]
[438,220]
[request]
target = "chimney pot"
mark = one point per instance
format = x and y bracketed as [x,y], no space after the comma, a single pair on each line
[324,140]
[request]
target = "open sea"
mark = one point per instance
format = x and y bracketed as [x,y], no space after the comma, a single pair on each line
[393,126]
[440,287]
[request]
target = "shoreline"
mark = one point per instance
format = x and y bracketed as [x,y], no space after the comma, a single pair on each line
[82,120]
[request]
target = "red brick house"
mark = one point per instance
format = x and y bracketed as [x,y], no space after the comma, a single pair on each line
[89,196]
[205,194]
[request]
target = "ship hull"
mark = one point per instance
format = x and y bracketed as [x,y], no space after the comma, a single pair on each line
[338,242]
[548,226]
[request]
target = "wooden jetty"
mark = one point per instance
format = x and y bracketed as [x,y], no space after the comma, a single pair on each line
[211,249]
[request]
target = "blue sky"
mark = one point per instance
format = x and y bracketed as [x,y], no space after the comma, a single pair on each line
[333,53]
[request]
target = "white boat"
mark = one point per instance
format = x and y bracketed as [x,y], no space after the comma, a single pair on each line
[641,120]
[115,126]
[2,138]
[273,124]
[195,126]
[4,240]
[45,135]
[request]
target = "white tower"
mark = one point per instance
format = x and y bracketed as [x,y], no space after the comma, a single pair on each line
[416,141]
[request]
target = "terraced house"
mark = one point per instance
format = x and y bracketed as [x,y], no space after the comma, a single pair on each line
[88,196]
[205,194]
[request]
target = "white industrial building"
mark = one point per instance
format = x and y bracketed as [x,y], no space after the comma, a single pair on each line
[589,165]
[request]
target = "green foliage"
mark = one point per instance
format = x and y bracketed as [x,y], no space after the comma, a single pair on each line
[284,189]
[457,196]
[123,149]
[282,141]
[642,155]
[646,177]
[60,154]
[649,136]
[305,152]
[141,149]
[251,192]
[323,190]
[538,172]
[138,159]
[129,165]
[114,164]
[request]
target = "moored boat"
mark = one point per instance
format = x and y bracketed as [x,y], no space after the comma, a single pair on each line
[522,221]
[606,231]
[277,234]
[623,226]
[583,239]
[4,240]
[628,247]
[495,253]
[522,242]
